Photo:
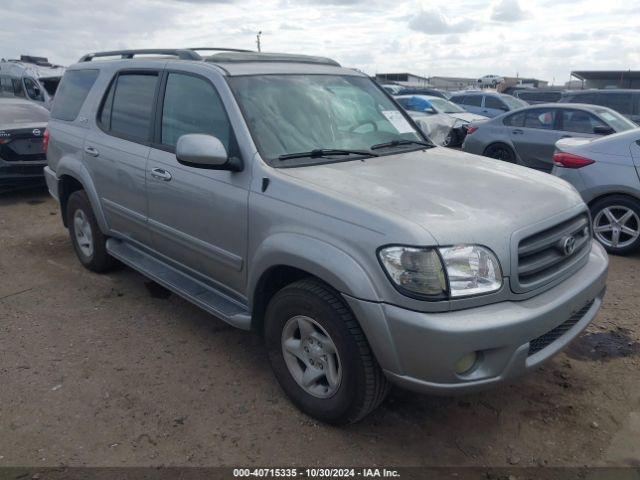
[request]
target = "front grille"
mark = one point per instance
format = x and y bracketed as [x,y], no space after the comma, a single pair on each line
[546,255]
[551,336]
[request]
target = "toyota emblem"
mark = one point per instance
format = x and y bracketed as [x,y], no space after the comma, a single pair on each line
[569,245]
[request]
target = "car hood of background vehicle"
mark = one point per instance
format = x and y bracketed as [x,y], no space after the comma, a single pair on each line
[469,117]
[457,197]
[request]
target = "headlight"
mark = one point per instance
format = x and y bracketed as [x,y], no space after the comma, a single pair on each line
[470,270]
[460,123]
[415,270]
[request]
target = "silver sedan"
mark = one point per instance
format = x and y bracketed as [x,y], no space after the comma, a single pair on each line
[528,136]
[606,173]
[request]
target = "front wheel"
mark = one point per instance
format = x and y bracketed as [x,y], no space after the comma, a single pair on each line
[451,140]
[320,355]
[616,224]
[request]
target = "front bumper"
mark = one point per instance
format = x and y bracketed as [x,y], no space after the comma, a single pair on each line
[419,350]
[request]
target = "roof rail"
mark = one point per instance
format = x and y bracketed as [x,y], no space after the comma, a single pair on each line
[216,49]
[182,54]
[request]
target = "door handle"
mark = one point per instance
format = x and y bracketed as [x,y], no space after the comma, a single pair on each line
[91,151]
[566,136]
[517,131]
[161,174]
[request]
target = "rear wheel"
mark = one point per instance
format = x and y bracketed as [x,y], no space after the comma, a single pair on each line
[500,151]
[616,224]
[88,240]
[320,355]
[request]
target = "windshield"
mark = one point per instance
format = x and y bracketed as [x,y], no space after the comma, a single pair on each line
[446,106]
[618,122]
[289,114]
[513,102]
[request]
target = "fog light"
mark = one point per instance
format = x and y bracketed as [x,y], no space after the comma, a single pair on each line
[466,363]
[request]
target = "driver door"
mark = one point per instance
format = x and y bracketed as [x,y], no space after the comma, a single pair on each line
[198,217]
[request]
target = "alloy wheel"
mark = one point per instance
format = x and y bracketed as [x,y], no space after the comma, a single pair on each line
[311,356]
[83,233]
[616,226]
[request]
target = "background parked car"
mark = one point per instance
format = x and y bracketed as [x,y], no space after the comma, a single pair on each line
[434,105]
[489,104]
[528,136]
[22,126]
[392,89]
[425,91]
[436,126]
[490,81]
[534,96]
[32,78]
[626,102]
[604,171]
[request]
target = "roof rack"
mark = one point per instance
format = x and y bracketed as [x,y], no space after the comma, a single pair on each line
[215,49]
[182,54]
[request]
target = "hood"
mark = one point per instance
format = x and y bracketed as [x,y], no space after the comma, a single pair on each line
[456,197]
[469,117]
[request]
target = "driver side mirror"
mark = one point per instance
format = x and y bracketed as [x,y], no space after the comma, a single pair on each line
[603,130]
[205,151]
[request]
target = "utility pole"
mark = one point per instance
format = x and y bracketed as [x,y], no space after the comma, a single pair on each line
[258,40]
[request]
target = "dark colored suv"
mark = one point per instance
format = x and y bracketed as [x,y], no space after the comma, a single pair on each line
[626,102]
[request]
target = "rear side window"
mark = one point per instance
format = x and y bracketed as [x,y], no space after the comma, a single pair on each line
[493,102]
[192,105]
[128,106]
[589,98]
[541,118]
[459,99]
[620,102]
[473,100]
[73,91]
[515,120]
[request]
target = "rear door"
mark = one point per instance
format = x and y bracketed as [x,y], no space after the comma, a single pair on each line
[493,106]
[117,152]
[198,216]
[535,140]
[473,104]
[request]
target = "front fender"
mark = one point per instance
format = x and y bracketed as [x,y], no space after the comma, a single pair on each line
[317,257]
[71,166]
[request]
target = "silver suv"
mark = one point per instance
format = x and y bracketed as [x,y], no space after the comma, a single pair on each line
[293,197]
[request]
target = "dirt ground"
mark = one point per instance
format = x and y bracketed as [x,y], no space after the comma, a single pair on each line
[111,370]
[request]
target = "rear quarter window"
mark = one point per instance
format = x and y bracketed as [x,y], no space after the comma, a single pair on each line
[473,100]
[73,91]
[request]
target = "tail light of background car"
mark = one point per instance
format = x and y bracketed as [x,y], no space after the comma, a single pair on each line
[471,129]
[45,141]
[569,160]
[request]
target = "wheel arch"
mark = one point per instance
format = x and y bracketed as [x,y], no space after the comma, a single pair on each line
[285,258]
[72,176]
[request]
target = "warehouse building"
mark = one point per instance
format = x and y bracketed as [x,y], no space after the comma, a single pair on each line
[607,78]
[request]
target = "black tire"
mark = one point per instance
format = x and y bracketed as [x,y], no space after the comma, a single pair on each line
[363,386]
[98,260]
[618,205]
[500,151]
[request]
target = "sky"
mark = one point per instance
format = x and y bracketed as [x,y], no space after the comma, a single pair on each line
[467,38]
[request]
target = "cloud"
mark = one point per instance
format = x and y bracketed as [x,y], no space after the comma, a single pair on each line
[508,11]
[432,22]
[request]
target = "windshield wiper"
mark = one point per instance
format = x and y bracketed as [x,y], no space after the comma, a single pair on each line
[396,143]
[326,152]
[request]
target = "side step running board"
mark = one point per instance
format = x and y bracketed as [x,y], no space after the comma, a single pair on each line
[204,296]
